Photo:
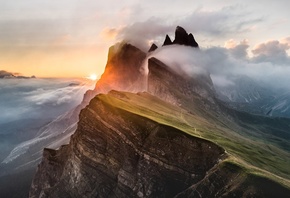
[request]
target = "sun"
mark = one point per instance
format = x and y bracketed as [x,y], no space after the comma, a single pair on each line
[93,77]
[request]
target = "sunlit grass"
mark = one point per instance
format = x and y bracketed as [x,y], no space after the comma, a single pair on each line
[257,157]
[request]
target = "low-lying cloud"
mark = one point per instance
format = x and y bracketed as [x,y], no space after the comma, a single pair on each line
[225,64]
[39,98]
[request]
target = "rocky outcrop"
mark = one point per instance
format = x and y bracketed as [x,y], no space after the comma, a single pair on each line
[191,41]
[153,48]
[183,38]
[122,72]
[120,149]
[172,87]
[116,153]
[167,41]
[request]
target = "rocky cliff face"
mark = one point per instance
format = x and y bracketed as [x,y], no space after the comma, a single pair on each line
[183,38]
[166,84]
[115,153]
[167,41]
[123,72]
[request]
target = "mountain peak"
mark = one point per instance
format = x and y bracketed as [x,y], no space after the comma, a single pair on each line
[183,38]
[123,68]
[167,41]
[153,47]
[191,41]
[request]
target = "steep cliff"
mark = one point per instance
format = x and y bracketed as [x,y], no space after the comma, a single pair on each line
[183,38]
[125,146]
[177,140]
[122,72]
[116,153]
[166,84]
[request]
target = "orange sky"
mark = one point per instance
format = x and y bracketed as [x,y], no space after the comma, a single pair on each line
[73,62]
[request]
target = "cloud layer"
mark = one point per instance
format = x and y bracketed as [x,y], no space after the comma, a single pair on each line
[226,64]
[34,98]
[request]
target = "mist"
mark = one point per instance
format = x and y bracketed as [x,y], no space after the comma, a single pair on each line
[34,98]
[224,64]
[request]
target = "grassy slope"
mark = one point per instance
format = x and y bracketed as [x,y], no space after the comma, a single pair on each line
[258,158]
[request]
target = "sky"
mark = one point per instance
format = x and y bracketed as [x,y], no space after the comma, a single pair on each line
[70,38]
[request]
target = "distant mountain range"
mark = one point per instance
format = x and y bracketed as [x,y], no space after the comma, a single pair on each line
[247,94]
[9,75]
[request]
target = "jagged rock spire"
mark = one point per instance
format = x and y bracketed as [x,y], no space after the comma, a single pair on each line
[191,41]
[167,41]
[183,38]
[153,47]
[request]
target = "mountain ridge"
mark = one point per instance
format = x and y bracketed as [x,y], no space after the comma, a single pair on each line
[183,105]
[113,99]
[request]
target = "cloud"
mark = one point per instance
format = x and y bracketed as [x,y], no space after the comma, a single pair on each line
[110,33]
[272,51]
[286,40]
[215,23]
[220,22]
[221,81]
[52,97]
[224,64]
[35,98]
[238,50]
[141,33]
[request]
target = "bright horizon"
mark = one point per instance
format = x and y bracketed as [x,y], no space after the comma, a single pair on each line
[72,38]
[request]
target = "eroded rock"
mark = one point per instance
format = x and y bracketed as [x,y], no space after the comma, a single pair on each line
[115,153]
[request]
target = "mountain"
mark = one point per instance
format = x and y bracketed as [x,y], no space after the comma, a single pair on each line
[172,137]
[125,154]
[153,47]
[9,75]
[183,38]
[253,96]
[177,86]
[126,146]
[123,72]
[279,106]
[167,41]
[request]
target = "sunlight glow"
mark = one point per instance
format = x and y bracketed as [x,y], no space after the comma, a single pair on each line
[93,77]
